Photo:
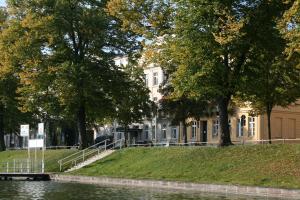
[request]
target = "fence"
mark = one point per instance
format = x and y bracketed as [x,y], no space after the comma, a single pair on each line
[209,144]
[22,166]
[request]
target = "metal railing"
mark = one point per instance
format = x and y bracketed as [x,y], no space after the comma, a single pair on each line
[216,143]
[83,155]
[22,166]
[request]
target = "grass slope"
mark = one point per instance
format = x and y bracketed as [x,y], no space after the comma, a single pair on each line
[260,165]
[51,157]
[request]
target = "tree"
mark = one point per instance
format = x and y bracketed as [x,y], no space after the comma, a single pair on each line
[206,43]
[64,52]
[133,104]
[180,109]
[289,26]
[275,79]
[275,82]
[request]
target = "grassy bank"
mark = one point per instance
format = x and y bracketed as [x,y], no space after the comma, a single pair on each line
[51,157]
[261,165]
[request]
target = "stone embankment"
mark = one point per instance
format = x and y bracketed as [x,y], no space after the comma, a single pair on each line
[211,188]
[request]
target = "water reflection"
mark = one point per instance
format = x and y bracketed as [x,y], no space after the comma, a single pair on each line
[35,190]
[19,190]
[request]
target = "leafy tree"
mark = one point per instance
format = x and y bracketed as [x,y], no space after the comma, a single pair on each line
[289,26]
[133,104]
[64,52]
[180,109]
[207,43]
[275,81]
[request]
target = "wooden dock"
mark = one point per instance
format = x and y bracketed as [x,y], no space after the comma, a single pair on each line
[26,176]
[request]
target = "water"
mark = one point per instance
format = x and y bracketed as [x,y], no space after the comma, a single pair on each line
[19,190]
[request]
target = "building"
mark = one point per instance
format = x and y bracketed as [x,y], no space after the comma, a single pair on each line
[244,128]
[285,122]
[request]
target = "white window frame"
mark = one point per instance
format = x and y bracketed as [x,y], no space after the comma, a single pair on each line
[164,131]
[155,78]
[240,128]
[146,131]
[194,129]
[251,126]
[216,125]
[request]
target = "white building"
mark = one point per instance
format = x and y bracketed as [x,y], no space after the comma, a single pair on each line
[155,130]
[159,128]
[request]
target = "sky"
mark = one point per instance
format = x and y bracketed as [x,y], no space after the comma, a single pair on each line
[2,3]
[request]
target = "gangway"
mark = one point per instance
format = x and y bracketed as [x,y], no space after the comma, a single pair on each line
[89,155]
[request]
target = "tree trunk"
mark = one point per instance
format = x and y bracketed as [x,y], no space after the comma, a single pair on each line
[70,134]
[225,139]
[269,111]
[81,126]
[2,143]
[51,133]
[126,135]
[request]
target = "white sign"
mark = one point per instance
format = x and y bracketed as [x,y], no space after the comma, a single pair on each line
[24,130]
[41,129]
[36,143]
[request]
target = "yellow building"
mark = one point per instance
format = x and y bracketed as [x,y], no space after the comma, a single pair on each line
[285,124]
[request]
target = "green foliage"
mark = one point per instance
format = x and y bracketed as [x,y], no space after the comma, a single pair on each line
[205,45]
[133,103]
[63,54]
[289,26]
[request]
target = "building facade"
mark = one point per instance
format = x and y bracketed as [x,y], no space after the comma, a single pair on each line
[285,122]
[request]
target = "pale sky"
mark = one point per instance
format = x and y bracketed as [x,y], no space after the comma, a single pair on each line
[2,3]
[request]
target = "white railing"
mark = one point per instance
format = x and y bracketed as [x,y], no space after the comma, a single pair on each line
[22,166]
[83,155]
[216,143]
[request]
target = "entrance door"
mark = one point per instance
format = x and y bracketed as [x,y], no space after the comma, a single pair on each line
[204,131]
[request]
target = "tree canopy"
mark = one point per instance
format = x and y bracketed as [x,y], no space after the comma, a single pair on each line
[206,45]
[64,54]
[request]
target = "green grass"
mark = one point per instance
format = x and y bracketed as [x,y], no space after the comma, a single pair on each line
[51,157]
[261,165]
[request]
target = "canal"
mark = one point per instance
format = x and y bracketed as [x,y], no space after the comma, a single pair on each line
[19,190]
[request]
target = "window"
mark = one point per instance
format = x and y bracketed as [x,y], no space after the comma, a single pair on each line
[215,127]
[174,133]
[140,137]
[146,80]
[146,131]
[155,78]
[119,135]
[164,131]
[153,132]
[251,126]
[194,129]
[240,129]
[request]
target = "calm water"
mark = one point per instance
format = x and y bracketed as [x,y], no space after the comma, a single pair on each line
[20,190]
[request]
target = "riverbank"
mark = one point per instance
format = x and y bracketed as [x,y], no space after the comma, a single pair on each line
[171,185]
[276,166]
